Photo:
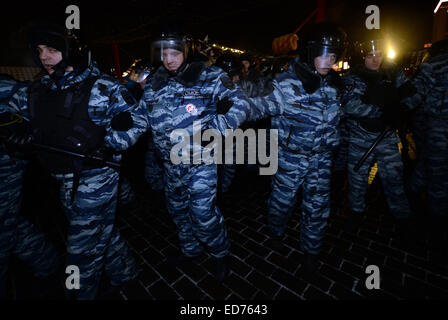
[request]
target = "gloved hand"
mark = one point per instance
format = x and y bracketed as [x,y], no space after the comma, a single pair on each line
[394,114]
[374,94]
[122,121]
[310,81]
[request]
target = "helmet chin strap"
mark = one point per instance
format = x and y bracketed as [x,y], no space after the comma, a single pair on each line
[59,70]
[179,70]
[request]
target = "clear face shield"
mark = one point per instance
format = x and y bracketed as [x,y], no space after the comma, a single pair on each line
[325,57]
[372,48]
[167,50]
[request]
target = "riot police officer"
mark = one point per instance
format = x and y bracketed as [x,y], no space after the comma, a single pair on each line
[76,108]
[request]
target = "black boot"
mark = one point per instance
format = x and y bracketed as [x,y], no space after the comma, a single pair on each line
[354,221]
[221,269]
[180,259]
[276,243]
[310,264]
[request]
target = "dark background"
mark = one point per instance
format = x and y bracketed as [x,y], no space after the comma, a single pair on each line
[242,24]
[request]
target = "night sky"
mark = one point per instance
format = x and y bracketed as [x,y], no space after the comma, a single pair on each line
[246,25]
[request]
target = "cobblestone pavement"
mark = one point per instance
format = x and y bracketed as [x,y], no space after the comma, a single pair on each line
[259,272]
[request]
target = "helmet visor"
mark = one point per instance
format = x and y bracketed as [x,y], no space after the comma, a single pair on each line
[372,48]
[162,49]
[325,57]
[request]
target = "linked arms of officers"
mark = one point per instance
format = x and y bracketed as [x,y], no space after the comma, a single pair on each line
[240,109]
[128,119]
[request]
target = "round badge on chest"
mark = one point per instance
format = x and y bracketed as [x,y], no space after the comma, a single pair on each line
[191,108]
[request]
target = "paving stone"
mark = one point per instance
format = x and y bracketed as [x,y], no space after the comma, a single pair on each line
[353,269]
[314,294]
[239,267]
[282,262]
[254,235]
[292,283]
[317,279]
[213,288]
[284,294]
[161,291]
[342,293]
[148,276]
[136,292]
[231,223]
[169,273]
[187,289]
[152,256]
[266,285]
[374,237]
[256,248]
[240,286]
[427,264]
[194,271]
[337,276]
[406,268]
[377,294]
[262,265]
[425,289]
[239,251]
[388,251]
[438,281]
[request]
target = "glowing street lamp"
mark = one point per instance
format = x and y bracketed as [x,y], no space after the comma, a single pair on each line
[391,53]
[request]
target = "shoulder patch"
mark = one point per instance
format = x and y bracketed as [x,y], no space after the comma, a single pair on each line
[226,82]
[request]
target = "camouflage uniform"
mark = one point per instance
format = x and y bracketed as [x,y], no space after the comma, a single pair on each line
[93,243]
[387,155]
[307,125]
[17,235]
[190,189]
[431,83]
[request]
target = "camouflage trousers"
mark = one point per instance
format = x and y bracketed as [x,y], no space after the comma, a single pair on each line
[226,175]
[418,177]
[18,236]
[312,173]
[93,243]
[432,174]
[190,192]
[390,169]
[153,167]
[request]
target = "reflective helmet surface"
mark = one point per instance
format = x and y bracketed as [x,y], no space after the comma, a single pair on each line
[324,39]
[230,63]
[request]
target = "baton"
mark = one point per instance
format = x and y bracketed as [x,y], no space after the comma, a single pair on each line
[372,147]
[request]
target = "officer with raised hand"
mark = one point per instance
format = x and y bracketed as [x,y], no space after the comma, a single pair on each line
[305,105]
[76,108]
[179,92]
[371,105]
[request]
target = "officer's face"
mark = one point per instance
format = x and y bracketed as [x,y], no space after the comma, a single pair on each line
[172,59]
[373,61]
[323,64]
[246,65]
[49,57]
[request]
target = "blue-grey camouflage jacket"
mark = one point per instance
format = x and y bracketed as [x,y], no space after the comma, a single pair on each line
[108,98]
[175,102]
[306,122]
[431,82]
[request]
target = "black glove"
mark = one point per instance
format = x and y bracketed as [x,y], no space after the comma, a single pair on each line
[374,94]
[394,114]
[310,81]
[406,90]
[122,121]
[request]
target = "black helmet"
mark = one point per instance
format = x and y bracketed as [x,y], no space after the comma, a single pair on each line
[51,34]
[170,37]
[324,38]
[230,63]
[266,67]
